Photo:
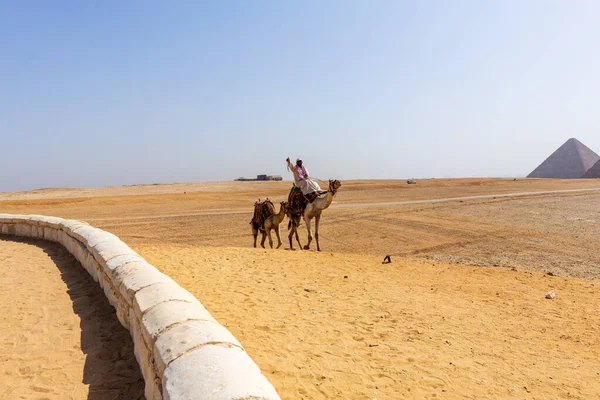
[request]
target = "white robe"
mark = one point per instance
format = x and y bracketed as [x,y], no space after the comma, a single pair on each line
[307,185]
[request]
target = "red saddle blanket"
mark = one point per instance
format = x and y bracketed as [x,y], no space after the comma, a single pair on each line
[262,211]
[297,201]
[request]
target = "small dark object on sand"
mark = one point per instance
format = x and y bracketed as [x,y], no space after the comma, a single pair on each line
[387,260]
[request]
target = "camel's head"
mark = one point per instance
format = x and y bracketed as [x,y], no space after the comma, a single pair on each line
[334,185]
[284,206]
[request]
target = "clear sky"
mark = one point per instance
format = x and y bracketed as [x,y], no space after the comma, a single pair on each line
[123,92]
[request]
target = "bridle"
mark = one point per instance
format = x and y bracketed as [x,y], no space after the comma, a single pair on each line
[332,187]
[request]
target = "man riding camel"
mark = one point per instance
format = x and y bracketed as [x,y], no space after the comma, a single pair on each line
[302,180]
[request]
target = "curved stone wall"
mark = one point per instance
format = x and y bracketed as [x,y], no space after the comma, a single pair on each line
[182,351]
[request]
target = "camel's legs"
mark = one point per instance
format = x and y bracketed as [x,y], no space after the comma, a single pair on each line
[307,222]
[270,238]
[298,238]
[264,237]
[290,237]
[255,234]
[317,219]
[278,238]
[295,221]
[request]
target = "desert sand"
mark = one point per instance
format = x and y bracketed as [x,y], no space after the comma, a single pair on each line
[60,338]
[336,326]
[341,325]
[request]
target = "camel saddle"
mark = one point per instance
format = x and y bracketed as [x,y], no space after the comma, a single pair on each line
[297,201]
[262,211]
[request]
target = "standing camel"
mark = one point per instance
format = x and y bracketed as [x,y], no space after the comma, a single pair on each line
[313,210]
[272,223]
[262,211]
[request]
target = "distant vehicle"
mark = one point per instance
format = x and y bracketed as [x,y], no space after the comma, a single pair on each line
[411,182]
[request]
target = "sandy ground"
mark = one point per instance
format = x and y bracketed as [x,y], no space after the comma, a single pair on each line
[433,324]
[333,326]
[354,191]
[548,233]
[60,339]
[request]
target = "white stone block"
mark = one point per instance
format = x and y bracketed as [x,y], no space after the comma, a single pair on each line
[119,304]
[135,276]
[65,242]
[12,229]
[122,309]
[165,315]
[114,298]
[7,218]
[50,234]
[35,231]
[23,229]
[123,259]
[7,229]
[216,373]
[91,266]
[101,236]
[23,219]
[20,218]
[103,279]
[29,228]
[13,218]
[36,219]
[40,232]
[182,338]
[85,262]
[82,232]
[144,358]
[63,238]
[158,293]
[72,245]
[87,234]
[67,225]
[30,219]
[105,251]
[123,312]
[46,221]
[80,252]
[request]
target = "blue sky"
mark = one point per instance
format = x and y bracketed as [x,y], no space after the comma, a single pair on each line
[141,92]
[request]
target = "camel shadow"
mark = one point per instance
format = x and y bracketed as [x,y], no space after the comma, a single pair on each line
[110,369]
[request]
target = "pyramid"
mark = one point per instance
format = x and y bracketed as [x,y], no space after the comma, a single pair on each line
[593,172]
[569,161]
